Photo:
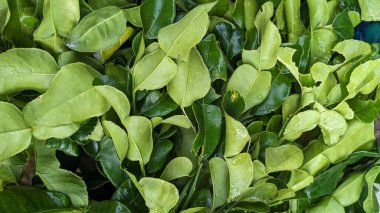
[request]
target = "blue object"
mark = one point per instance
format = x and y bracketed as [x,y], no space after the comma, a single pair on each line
[368,31]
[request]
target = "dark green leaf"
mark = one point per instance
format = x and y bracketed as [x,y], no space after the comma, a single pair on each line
[156,14]
[213,57]
[279,91]
[109,206]
[158,104]
[209,118]
[128,194]
[110,163]
[233,104]
[85,131]
[342,26]
[232,41]
[25,200]
[160,154]
[66,145]
[366,111]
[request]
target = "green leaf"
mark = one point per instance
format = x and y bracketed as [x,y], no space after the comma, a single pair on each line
[66,145]
[300,123]
[54,178]
[15,134]
[158,104]
[156,15]
[154,71]
[99,4]
[209,119]
[240,169]
[18,71]
[177,168]
[285,56]
[237,137]
[279,91]
[295,27]
[160,153]
[364,78]
[365,111]
[140,138]
[322,42]
[109,162]
[213,57]
[342,26]
[25,199]
[59,19]
[328,204]
[178,120]
[130,196]
[160,196]
[349,191]
[117,99]
[370,203]
[70,57]
[220,181]
[5,13]
[16,31]
[233,104]
[369,10]
[133,15]
[325,80]
[97,31]
[56,115]
[192,81]
[333,125]
[178,38]
[318,10]
[110,206]
[231,40]
[283,158]
[119,138]
[252,85]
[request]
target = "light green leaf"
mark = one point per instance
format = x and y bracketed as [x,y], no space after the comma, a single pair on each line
[300,123]
[154,71]
[259,170]
[351,49]
[318,10]
[220,181]
[252,85]
[299,179]
[60,17]
[4,13]
[265,57]
[344,109]
[349,191]
[119,138]
[283,158]
[54,178]
[333,125]
[117,99]
[140,138]
[15,134]
[98,30]
[160,196]
[263,16]
[290,106]
[178,38]
[19,71]
[176,168]
[322,43]
[295,27]
[241,174]
[237,137]
[370,10]
[370,177]
[364,78]
[192,81]
[69,101]
[133,15]
[285,56]
[326,80]
[178,120]
[328,204]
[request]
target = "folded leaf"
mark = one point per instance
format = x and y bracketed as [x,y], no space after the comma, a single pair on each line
[176,168]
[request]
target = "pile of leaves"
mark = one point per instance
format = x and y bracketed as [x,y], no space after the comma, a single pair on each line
[188,106]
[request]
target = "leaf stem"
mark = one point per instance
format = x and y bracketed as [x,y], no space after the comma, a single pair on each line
[193,186]
[192,126]
[142,168]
